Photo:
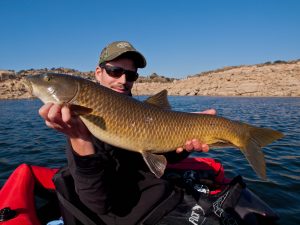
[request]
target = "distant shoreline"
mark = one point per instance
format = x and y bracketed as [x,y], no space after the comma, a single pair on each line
[210,96]
[277,79]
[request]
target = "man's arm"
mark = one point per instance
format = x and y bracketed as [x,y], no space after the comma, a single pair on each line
[89,166]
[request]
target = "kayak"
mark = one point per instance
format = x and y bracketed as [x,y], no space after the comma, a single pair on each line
[18,195]
[29,196]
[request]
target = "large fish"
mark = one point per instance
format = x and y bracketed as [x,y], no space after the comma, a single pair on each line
[149,127]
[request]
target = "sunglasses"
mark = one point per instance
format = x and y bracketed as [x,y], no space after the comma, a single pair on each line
[117,72]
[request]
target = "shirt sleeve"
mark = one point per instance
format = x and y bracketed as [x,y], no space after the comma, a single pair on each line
[174,157]
[91,177]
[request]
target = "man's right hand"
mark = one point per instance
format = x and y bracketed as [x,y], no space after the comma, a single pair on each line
[60,118]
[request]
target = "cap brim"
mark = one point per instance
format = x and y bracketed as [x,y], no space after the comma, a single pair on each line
[138,58]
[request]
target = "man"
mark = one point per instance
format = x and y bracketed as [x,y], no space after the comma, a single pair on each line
[113,183]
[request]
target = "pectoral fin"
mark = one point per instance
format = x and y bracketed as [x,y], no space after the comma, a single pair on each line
[156,163]
[79,110]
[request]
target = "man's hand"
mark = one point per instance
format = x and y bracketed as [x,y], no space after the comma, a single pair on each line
[194,144]
[60,118]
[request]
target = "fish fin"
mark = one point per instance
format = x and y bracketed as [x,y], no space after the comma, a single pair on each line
[156,163]
[221,144]
[95,120]
[257,138]
[79,110]
[264,136]
[160,100]
[256,158]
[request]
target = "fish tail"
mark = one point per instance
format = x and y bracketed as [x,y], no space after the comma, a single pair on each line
[256,138]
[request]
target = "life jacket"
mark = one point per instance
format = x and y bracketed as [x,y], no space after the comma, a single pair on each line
[202,195]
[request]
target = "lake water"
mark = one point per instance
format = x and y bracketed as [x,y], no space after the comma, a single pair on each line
[24,138]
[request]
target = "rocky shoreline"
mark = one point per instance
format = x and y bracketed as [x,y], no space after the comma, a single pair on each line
[279,78]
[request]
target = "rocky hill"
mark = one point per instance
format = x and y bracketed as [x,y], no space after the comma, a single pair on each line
[279,78]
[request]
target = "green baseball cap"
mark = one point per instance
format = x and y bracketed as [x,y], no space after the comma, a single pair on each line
[118,48]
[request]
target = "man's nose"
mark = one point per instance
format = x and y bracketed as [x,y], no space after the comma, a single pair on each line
[122,79]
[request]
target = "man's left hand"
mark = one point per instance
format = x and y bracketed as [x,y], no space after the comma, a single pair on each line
[195,144]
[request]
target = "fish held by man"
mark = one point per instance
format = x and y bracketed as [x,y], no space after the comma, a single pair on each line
[150,127]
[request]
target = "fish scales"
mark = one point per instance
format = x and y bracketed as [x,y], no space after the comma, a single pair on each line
[140,127]
[149,127]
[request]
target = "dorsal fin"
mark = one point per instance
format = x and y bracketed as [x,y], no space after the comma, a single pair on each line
[160,100]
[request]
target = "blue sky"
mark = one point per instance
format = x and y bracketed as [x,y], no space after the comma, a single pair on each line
[178,38]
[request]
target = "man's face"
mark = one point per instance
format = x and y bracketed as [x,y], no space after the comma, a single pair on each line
[118,84]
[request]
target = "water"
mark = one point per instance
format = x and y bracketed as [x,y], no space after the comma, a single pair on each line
[24,138]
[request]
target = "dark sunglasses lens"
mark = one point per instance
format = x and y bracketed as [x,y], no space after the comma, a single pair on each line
[114,71]
[117,72]
[131,76]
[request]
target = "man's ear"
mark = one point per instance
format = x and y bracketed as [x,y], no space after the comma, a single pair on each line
[98,73]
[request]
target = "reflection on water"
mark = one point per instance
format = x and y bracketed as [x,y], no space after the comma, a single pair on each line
[24,138]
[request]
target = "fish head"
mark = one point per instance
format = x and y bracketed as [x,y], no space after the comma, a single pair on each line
[53,87]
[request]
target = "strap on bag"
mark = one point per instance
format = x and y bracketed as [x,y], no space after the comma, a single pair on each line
[164,207]
[75,211]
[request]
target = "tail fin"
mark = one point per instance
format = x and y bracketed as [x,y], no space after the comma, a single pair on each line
[256,139]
